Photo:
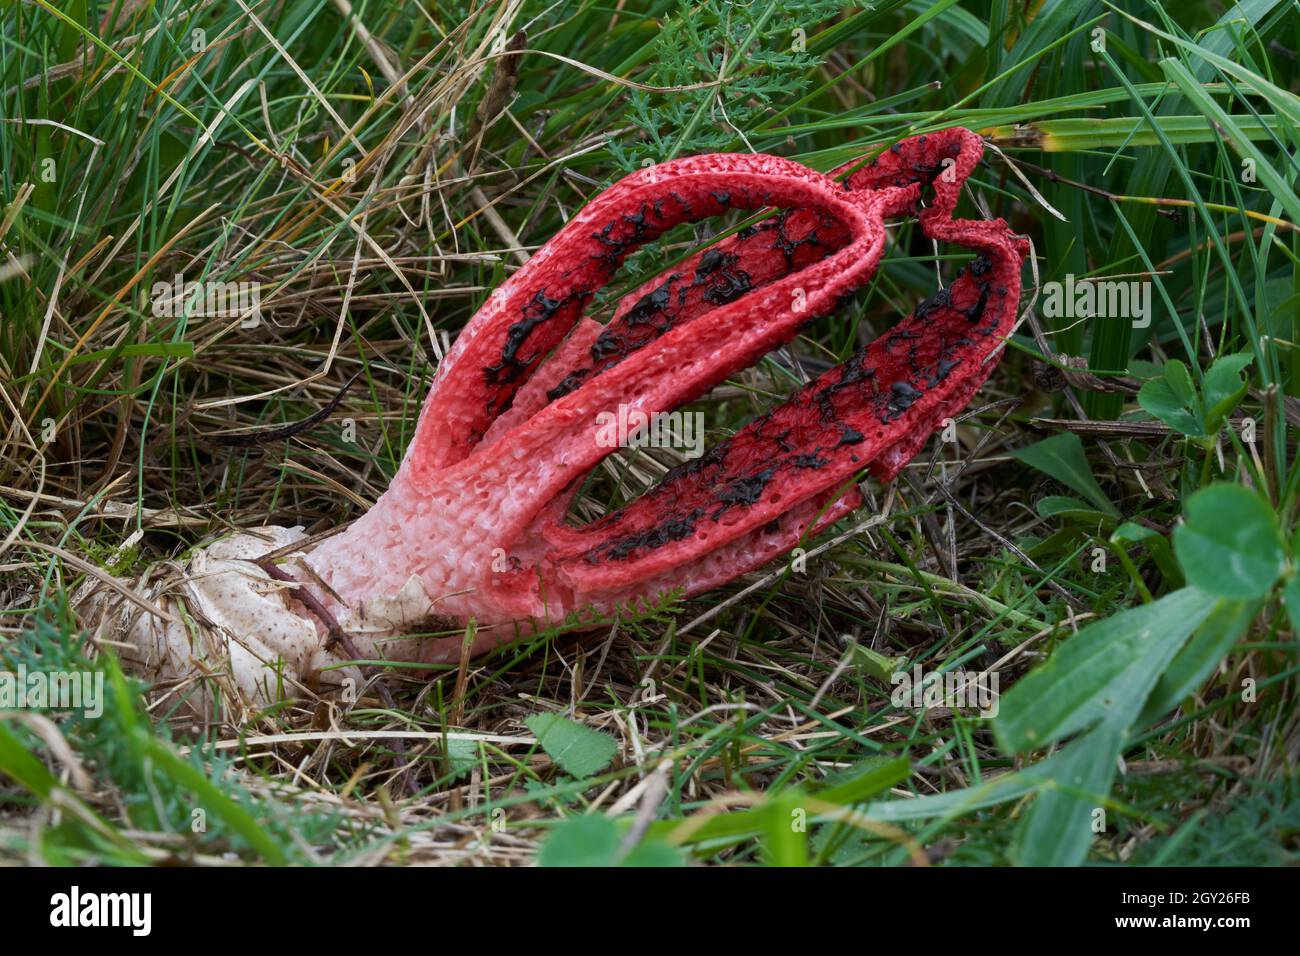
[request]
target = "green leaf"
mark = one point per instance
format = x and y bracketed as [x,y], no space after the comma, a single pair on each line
[1179,380]
[1062,457]
[1230,545]
[1166,399]
[1057,829]
[596,840]
[1104,673]
[1130,532]
[1224,389]
[653,854]
[578,750]
[957,803]
[462,756]
[1055,506]
[587,840]
[785,830]
[1143,370]
[873,776]
[1199,657]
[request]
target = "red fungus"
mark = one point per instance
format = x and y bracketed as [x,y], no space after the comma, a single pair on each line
[473,525]
[477,510]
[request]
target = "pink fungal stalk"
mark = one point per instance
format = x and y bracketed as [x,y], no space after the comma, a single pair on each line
[473,525]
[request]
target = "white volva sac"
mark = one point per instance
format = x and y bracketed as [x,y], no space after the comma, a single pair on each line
[231,626]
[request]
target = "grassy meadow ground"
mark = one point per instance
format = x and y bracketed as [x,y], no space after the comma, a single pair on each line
[1110,531]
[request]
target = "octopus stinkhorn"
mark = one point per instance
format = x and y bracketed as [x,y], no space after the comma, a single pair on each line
[473,525]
